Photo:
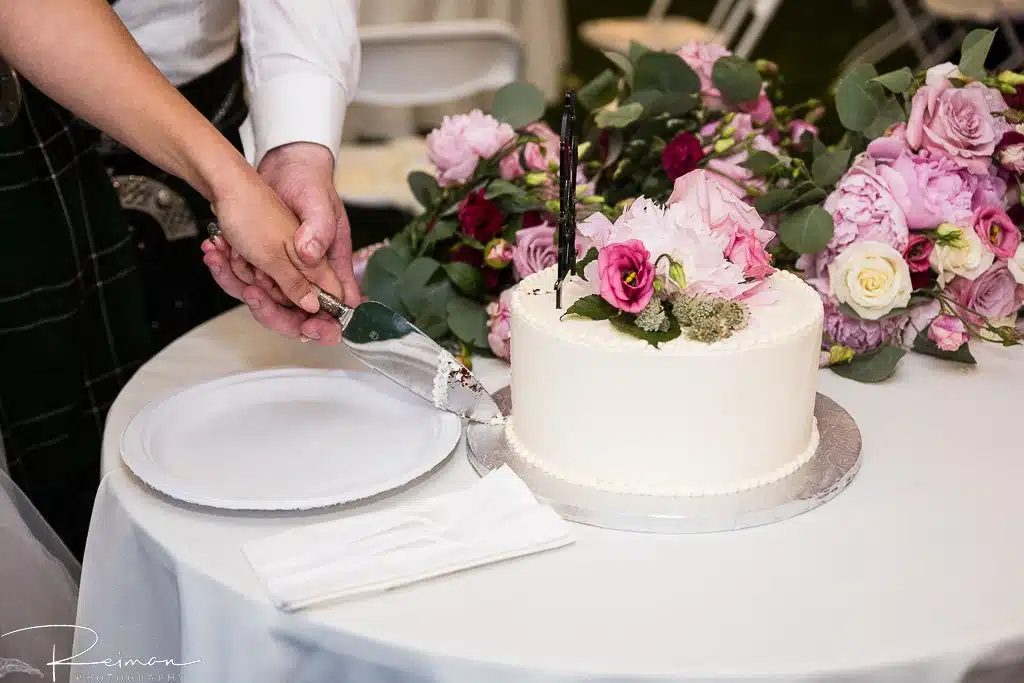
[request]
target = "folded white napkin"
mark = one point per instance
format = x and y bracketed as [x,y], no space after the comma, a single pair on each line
[497,518]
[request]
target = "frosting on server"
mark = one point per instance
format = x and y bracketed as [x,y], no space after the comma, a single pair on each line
[599,408]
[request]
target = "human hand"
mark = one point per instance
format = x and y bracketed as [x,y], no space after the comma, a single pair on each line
[302,175]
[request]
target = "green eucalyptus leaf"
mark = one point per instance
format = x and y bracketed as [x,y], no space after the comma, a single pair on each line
[897,81]
[829,167]
[443,230]
[518,104]
[761,162]
[922,344]
[872,366]
[635,51]
[402,246]
[381,278]
[625,323]
[502,188]
[774,200]
[675,103]
[619,118]
[974,52]
[468,321]
[599,91]
[890,113]
[464,276]
[593,307]
[806,231]
[623,63]
[424,188]
[858,98]
[412,287]
[664,72]
[643,97]
[817,147]
[737,79]
[432,318]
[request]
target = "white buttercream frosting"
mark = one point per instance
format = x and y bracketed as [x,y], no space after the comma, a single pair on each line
[603,409]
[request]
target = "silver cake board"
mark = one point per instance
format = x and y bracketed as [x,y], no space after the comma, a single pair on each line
[823,477]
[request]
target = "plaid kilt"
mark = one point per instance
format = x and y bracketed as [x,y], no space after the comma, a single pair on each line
[73,324]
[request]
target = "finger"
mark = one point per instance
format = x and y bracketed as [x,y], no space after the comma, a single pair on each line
[297,280]
[271,288]
[222,274]
[323,329]
[285,321]
[242,269]
[340,257]
[207,246]
[314,206]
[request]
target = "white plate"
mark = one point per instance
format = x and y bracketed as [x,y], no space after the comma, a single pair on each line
[293,439]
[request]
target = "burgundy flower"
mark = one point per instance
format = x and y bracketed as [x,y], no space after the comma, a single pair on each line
[919,248]
[463,253]
[491,278]
[479,218]
[533,218]
[681,155]
[1016,100]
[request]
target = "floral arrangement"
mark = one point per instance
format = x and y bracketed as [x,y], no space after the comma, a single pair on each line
[914,247]
[653,117]
[691,266]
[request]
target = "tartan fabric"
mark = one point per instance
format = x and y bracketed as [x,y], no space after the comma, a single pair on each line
[73,325]
[178,288]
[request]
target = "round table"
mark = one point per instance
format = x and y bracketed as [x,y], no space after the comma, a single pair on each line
[912,574]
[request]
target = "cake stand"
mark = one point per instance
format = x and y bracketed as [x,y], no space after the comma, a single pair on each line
[824,476]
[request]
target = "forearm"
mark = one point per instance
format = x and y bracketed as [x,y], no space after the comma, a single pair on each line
[79,54]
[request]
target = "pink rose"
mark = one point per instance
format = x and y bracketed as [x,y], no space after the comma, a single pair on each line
[919,249]
[708,198]
[992,295]
[499,326]
[747,249]
[957,122]
[535,250]
[862,208]
[930,189]
[461,141]
[538,157]
[626,275]
[997,231]
[948,332]
[798,128]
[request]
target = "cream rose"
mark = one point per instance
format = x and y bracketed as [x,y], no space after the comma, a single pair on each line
[1016,265]
[872,278]
[959,251]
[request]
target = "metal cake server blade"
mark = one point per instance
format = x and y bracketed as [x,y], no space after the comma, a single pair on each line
[388,343]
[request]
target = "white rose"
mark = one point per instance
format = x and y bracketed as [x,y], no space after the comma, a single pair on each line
[872,278]
[1016,264]
[959,251]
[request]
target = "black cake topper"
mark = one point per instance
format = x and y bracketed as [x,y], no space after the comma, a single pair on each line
[567,195]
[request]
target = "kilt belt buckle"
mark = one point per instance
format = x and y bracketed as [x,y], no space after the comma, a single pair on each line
[10,94]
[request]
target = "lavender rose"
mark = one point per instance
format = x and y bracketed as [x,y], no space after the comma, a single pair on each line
[957,122]
[993,295]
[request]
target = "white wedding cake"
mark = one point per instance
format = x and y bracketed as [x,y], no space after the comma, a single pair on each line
[668,371]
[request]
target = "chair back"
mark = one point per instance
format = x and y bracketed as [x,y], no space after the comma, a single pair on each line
[728,17]
[429,63]
[984,11]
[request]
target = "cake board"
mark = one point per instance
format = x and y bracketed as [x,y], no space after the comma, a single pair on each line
[829,471]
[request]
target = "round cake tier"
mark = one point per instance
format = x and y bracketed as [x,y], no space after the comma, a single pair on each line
[599,408]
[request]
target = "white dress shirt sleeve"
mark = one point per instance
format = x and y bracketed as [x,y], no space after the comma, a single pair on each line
[302,67]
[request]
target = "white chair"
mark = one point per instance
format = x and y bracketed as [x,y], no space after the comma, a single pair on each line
[661,32]
[413,65]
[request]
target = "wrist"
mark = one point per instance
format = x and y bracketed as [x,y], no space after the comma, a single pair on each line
[309,154]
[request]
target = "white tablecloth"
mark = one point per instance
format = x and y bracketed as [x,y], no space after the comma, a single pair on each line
[909,576]
[542,28]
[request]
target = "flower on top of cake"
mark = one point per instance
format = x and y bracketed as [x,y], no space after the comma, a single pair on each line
[693,266]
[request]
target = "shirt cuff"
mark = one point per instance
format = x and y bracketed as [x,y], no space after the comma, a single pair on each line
[297,107]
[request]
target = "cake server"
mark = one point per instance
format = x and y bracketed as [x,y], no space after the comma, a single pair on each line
[388,343]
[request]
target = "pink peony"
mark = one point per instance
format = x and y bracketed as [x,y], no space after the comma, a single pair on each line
[957,122]
[747,250]
[499,326]
[997,231]
[993,295]
[458,144]
[861,335]
[708,198]
[862,208]
[948,332]
[919,249]
[626,275]
[538,157]
[930,189]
